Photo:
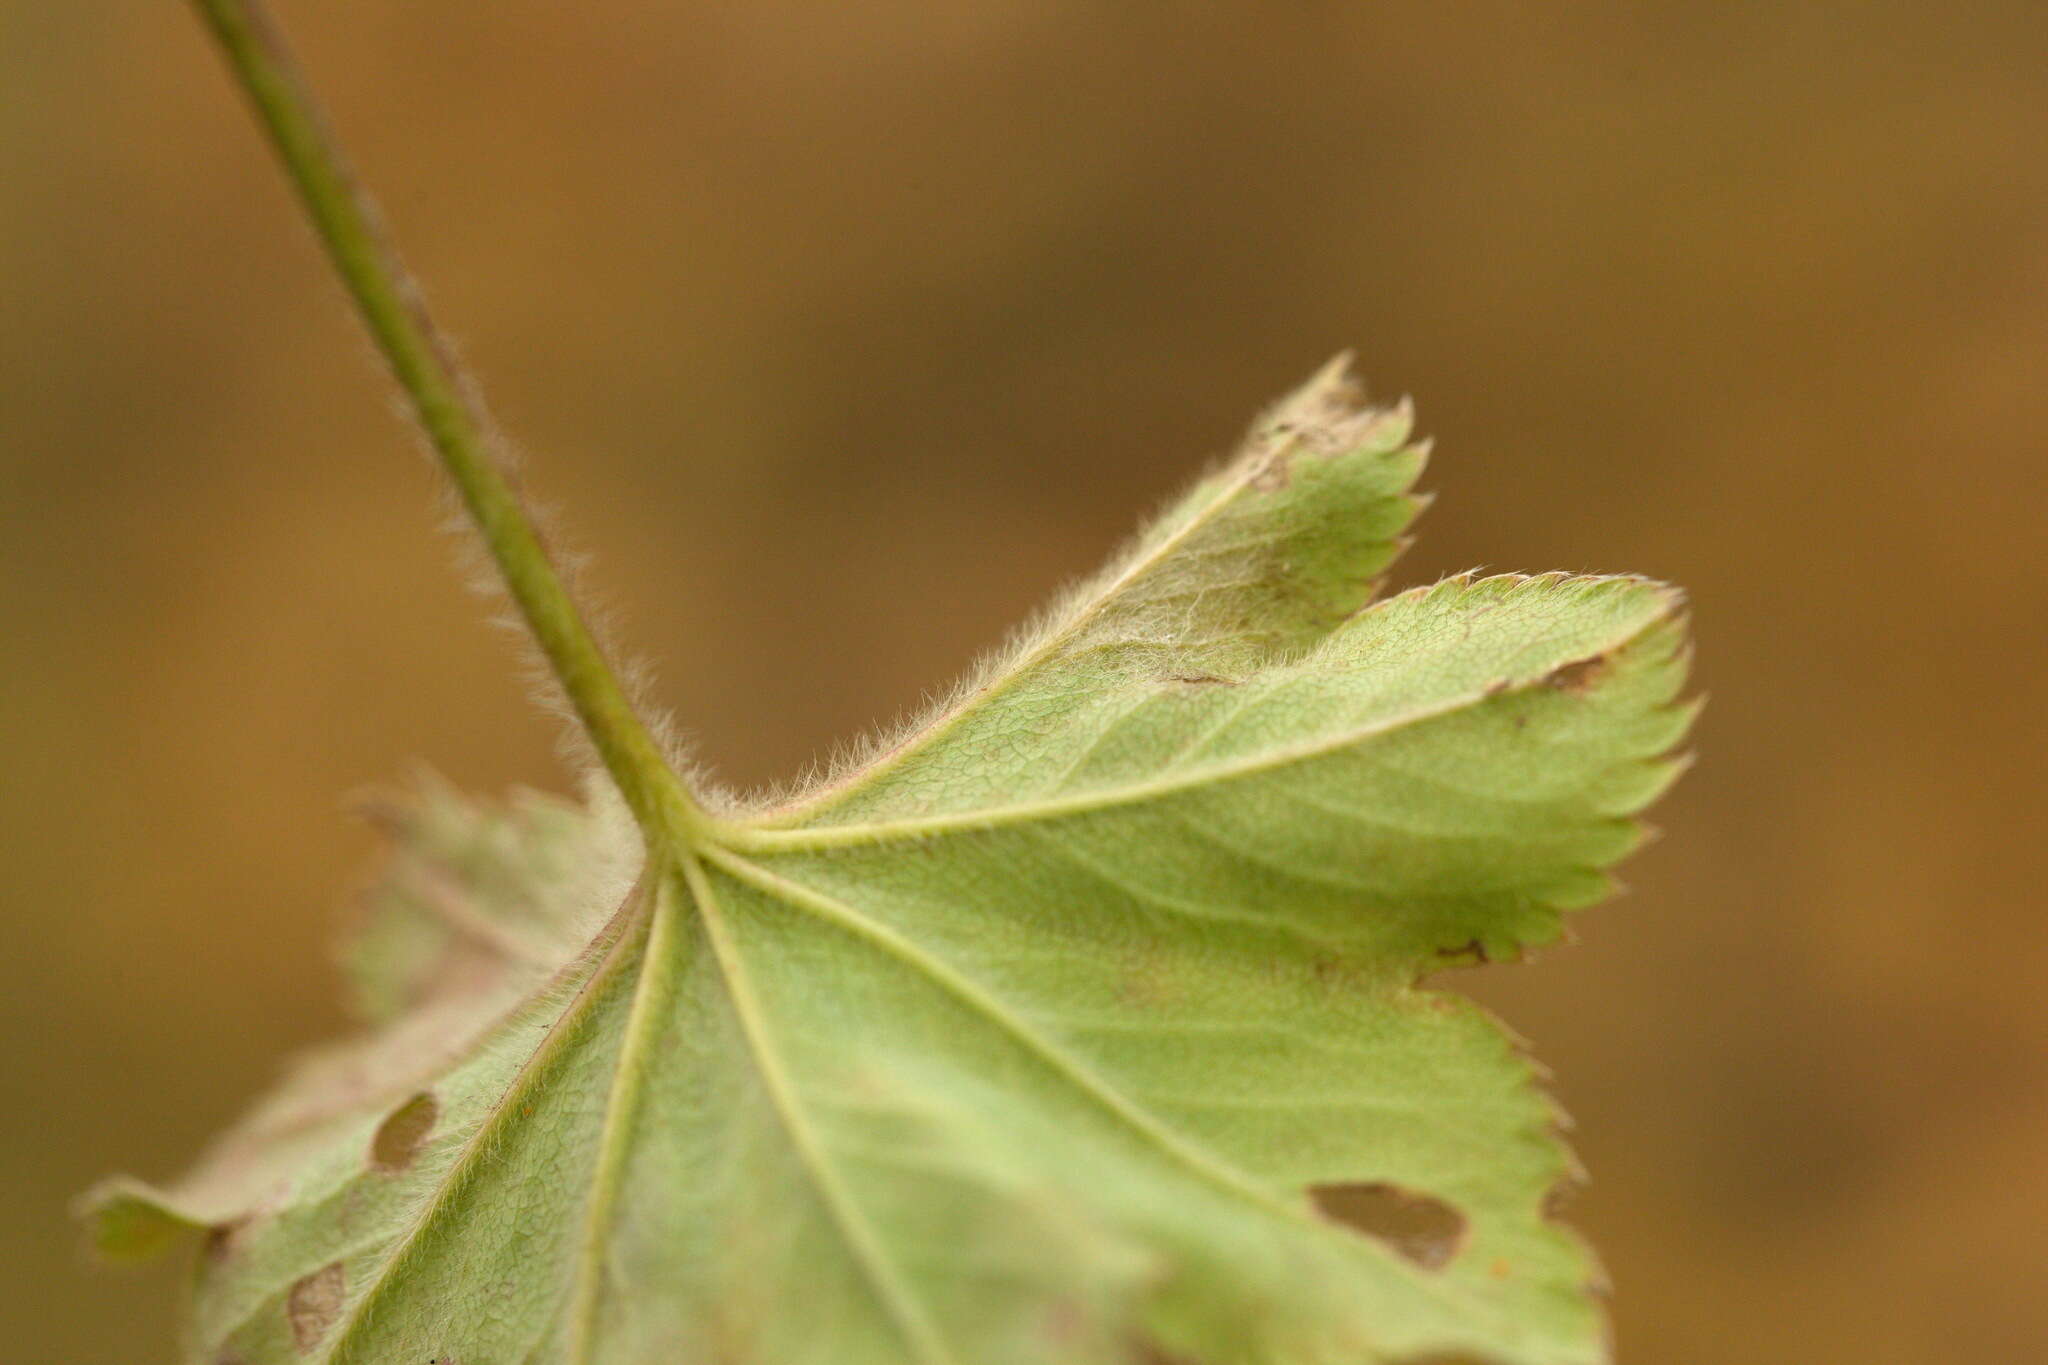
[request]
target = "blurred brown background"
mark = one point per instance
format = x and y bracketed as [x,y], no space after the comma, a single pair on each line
[845,333]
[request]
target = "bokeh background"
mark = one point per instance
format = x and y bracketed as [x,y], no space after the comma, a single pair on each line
[844,334]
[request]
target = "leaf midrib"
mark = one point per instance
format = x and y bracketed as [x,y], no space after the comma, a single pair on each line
[623,927]
[629,1072]
[901,1306]
[762,839]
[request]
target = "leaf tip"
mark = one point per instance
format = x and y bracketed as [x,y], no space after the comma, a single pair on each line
[127,1222]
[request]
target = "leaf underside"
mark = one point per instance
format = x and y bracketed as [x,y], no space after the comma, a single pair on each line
[1079,1023]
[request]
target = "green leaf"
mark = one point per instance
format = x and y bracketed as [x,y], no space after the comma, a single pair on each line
[1080,1022]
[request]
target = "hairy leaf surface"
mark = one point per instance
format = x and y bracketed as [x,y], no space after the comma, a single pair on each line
[1079,1022]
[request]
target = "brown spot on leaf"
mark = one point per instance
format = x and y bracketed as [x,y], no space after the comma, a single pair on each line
[1559,1196]
[1204,680]
[223,1240]
[1066,1322]
[1419,1227]
[401,1136]
[1334,972]
[314,1304]
[1578,678]
[1275,473]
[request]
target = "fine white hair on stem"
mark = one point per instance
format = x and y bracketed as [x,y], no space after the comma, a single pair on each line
[481,575]
[450,413]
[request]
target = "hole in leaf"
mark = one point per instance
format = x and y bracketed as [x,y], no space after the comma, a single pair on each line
[1581,677]
[401,1135]
[1419,1227]
[314,1303]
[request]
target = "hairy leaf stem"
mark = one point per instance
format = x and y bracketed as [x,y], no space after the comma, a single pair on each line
[448,409]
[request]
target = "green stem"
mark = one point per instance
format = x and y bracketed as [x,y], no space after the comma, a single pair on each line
[448,409]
